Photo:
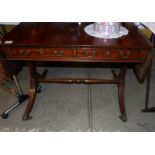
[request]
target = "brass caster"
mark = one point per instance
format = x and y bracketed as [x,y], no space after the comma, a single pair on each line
[123,118]
[26,117]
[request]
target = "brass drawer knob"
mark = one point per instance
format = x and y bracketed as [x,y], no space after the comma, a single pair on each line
[58,53]
[55,52]
[86,53]
[107,53]
[41,51]
[94,52]
[125,55]
[74,53]
[27,52]
[21,51]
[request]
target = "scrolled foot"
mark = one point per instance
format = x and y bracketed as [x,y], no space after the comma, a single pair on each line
[26,117]
[123,117]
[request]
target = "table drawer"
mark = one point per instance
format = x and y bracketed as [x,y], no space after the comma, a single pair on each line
[76,54]
[112,55]
[38,53]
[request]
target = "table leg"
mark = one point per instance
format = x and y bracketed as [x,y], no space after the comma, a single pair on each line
[147,109]
[121,87]
[90,108]
[33,91]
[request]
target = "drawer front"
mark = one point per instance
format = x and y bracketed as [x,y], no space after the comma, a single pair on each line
[76,54]
[112,55]
[39,53]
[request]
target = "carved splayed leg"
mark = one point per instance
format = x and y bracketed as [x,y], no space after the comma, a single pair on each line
[121,87]
[32,93]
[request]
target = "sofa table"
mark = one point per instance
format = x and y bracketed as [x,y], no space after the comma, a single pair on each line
[67,42]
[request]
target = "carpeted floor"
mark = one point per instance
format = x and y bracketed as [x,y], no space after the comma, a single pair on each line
[61,107]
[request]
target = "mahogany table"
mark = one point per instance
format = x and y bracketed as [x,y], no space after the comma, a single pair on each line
[67,42]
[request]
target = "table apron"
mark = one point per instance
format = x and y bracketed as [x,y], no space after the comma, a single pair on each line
[76,54]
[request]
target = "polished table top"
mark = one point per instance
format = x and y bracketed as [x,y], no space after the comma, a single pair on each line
[70,34]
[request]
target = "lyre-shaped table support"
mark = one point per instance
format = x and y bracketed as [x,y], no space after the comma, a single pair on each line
[35,79]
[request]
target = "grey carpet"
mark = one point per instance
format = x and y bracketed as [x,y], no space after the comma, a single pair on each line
[62,107]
